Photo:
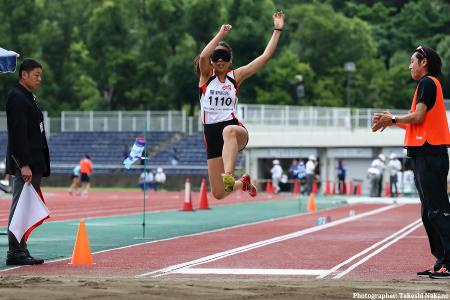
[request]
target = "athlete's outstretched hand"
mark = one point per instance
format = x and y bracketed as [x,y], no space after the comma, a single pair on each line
[225,28]
[278,20]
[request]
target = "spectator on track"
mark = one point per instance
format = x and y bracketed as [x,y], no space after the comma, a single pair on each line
[146,180]
[75,177]
[86,172]
[311,165]
[160,179]
[277,172]
[341,174]
[395,166]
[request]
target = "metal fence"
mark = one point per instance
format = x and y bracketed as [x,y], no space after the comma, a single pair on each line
[301,117]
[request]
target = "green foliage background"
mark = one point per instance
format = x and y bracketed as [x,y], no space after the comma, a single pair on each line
[138,54]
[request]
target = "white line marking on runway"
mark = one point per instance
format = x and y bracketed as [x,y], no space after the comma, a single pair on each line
[283,272]
[337,267]
[220,255]
[349,269]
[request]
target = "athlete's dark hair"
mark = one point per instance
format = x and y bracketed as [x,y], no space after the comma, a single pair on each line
[197,58]
[434,62]
[227,46]
[28,65]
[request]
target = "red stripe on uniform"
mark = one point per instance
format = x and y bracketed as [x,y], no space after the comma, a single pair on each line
[239,122]
[204,88]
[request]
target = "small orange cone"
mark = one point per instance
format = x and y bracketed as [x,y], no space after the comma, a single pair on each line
[296,187]
[81,250]
[311,203]
[269,186]
[203,196]
[350,188]
[327,188]
[187,204]
[358,189]
[314,187]
[387,190]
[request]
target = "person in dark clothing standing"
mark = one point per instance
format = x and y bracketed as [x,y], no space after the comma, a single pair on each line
[426,140]
[27,156]
[341,174]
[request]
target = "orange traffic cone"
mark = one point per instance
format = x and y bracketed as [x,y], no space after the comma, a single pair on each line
[350,188]
[81,250]
[314,187]
[327,188]
[187,204]
[269,188]
[358,189]
[296,187]
[311,203]
[387,190]
[203,196]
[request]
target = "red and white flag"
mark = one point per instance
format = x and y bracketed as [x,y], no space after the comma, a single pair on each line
[30,212]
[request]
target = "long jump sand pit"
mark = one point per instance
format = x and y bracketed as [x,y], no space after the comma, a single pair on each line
[13,287]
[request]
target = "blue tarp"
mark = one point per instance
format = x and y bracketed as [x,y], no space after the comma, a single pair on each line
[7,61]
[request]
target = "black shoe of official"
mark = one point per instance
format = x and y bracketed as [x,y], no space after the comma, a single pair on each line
[23,260]
[427,273]
[442,273]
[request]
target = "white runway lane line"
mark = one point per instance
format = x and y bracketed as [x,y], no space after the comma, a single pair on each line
[366,258]
[245,248]
[281,272]
[372,247]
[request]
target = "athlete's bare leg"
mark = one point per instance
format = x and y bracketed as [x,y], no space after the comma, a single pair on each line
[215,171]
[234,138]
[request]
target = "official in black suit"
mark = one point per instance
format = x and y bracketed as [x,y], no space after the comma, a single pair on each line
[27,144]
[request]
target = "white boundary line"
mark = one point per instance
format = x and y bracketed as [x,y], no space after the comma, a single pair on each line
[180,236]
[220,255]
[349,269]
[214,271]
[337,267]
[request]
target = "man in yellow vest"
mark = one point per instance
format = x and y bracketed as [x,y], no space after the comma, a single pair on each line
[426,140]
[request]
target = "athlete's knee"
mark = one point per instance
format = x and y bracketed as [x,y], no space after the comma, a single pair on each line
[218,194]
[229,132]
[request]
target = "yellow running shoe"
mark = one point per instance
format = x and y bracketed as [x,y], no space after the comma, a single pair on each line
[228,182]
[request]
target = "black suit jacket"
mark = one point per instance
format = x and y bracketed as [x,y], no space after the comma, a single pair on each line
[26,133]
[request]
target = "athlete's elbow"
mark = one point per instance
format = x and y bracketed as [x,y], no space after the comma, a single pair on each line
[203,56]
[266,57]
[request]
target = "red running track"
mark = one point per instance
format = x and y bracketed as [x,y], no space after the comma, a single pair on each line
[63,206]
[315,248]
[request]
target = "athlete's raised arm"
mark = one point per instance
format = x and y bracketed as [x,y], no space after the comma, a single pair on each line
[248,70]
[204,58]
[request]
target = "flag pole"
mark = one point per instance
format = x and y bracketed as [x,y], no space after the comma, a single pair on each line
[145,175]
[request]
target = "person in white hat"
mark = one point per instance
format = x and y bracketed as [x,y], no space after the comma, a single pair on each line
[277,172]
[310,173]
[394,166]
[373,174]
[380,165]
[160,178]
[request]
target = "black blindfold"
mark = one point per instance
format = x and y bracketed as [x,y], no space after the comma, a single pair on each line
[223,54]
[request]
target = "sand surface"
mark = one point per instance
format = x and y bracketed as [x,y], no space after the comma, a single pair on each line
[14,287]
